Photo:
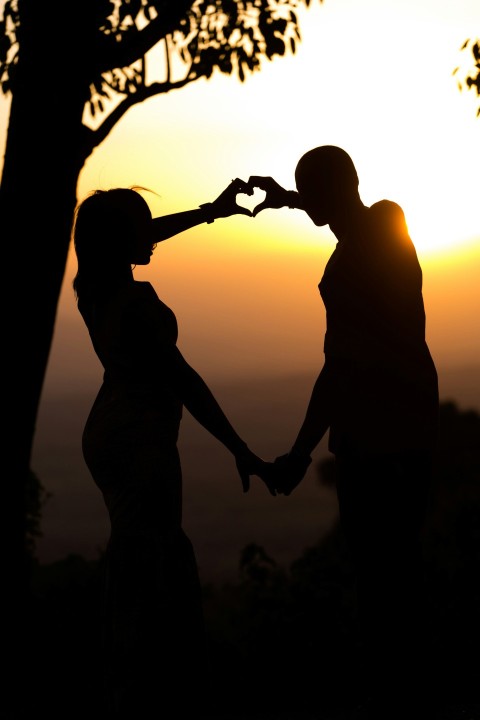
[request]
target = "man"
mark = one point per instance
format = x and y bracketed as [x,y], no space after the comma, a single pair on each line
[377,394]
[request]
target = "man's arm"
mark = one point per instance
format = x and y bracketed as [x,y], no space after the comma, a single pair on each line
[290,469]
[318,415]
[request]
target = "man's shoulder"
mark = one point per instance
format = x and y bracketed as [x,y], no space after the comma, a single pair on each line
[386,209]
[387,218]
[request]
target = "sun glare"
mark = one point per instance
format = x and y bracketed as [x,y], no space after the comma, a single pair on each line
[442,235]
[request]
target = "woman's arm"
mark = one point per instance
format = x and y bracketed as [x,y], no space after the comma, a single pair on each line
[200,402]
[203,406]
[225,205]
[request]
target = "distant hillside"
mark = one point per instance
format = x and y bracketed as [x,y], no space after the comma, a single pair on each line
[220,519]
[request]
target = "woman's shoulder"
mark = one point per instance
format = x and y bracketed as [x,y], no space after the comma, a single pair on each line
[138,291]
[143,288]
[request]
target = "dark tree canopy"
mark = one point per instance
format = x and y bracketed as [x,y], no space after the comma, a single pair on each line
[472,80]
[197,38]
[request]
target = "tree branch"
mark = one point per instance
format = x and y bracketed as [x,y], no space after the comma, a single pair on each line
[143,93]
[135,43]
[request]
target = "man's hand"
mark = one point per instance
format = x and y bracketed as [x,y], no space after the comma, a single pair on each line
[288,472]
[276,196]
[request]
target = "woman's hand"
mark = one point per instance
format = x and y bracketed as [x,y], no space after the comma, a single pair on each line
[226,203]
[250,464]
[276,196]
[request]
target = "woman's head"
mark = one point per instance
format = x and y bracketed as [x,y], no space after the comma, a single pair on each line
[112,230]
[326,180]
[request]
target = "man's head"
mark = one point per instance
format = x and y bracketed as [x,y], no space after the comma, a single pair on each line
[326,180]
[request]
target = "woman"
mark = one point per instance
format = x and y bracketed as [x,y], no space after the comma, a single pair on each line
[377,395]
[154,634]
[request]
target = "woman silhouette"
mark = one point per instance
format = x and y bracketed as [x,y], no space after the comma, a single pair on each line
[155,652]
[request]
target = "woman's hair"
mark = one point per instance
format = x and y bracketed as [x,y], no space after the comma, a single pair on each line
[103,231]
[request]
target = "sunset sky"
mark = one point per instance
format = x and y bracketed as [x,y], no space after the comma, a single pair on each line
[372,76]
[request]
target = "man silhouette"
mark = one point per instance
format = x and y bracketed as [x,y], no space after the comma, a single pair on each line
[377,394]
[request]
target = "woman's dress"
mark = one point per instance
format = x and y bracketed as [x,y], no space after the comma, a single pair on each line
[153,625]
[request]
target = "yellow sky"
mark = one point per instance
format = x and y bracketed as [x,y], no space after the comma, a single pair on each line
[373,76]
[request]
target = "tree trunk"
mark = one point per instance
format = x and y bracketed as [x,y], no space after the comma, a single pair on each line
[37,199]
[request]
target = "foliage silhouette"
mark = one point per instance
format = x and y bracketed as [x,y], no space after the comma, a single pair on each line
[472,80]
[36,497]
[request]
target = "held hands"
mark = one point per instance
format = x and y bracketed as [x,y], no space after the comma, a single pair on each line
[287,472]
[280,477]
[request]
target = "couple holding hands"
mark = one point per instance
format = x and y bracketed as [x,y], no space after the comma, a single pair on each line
[376,394]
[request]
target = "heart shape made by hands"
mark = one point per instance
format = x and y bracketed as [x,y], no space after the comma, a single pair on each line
[251,201]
